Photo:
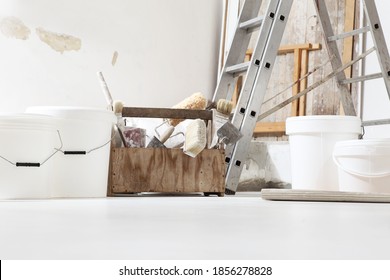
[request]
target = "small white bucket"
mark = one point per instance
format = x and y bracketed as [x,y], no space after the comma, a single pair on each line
[81,170]
[27,148]
[312,139]
[363,165]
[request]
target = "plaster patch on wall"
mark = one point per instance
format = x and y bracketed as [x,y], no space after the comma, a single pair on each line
[59,42]
[114,58]
[13,27]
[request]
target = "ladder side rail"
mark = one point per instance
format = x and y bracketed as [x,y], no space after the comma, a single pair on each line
[252,72]
[335,58]
[236,50]
[379,40]
[240,151]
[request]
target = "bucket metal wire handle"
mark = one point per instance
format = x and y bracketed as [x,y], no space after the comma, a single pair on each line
[360,174]
[35,164]
[88,151]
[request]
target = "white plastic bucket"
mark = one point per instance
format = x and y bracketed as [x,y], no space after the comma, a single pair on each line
[83,130]
[312,140]
[363,165]
[27,148]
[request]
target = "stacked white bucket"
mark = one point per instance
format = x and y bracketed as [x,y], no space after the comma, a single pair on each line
[26,139]
[35,136]
[327,155]
[364,165]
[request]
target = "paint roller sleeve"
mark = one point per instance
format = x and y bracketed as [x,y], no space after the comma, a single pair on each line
[197,101]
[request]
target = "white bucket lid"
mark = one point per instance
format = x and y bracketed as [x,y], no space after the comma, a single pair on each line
[362,148]
[27,121]
[323,124]
[75,113]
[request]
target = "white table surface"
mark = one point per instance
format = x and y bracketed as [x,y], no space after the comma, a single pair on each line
[192,227]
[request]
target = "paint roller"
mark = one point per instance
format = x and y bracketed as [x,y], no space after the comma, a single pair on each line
[196,101]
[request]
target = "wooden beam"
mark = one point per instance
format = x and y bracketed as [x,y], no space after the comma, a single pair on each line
[291,48]
[164,113]
[303,83]
[270,128]
[296,76]
[285,49]
[349,25]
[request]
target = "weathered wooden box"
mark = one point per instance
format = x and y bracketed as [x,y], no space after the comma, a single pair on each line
[135,170]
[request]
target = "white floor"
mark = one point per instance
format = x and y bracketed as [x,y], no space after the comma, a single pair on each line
[192,227]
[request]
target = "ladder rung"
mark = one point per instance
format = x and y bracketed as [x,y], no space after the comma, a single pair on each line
[238,68]
[376,122]
[252,23]
[362,78]
[349,34]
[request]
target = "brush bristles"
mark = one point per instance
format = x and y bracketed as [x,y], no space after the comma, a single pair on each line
[195,138]
[118,106]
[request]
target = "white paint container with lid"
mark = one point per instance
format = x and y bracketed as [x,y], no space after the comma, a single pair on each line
[363,165]
[81,169]
[312,140]
[27,150]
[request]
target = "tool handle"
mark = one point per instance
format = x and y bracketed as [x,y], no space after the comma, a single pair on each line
[106,91]
[360,174]
[167,134]
[28,164]
[75,152]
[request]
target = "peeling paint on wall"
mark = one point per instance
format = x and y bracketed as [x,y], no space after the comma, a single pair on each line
[13,27]
[59,42]
[114,58]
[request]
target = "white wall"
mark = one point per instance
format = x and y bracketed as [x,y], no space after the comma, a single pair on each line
[376,100]
[167,50]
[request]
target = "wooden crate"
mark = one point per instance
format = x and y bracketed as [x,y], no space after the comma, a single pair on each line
[135,170]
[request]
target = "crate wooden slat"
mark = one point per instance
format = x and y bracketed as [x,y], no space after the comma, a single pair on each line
[135,170]
[144,112]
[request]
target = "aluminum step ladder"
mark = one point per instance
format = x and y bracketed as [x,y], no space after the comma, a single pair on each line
[258,70]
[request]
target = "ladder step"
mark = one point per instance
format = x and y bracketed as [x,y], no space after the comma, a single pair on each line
[251,24]
[349,34]
[376,122]
[238,68]
[362,78]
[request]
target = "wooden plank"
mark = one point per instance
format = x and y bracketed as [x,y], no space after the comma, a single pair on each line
[291,48]
[348,50]
[166,170]
[141,112]
[270,128]
[296,76]
[323,196]
[303,83]
[349,25]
